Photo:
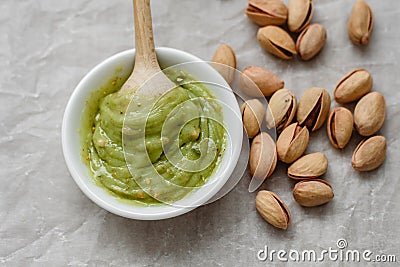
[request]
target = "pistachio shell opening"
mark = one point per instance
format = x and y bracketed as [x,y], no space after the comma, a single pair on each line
[314,108]
[340,127]
[281,109]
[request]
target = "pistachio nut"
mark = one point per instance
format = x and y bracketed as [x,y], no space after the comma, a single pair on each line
[360,23]
[252,116]
[369,154]
[300,13]
[313,193]
[311,41]
[340,127]
[225,60]
[276,41]
[310,166]
[313,108]
[292,142]
[271,207]
[353,86]
[370,113]
[281,109]
[267,12]
[256,81]
[263,158]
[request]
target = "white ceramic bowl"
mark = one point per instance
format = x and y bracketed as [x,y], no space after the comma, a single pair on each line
[98,77]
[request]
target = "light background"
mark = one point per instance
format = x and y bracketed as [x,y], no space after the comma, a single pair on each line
[47,46]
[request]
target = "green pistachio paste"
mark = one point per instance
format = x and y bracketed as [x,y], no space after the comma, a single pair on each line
[172,145]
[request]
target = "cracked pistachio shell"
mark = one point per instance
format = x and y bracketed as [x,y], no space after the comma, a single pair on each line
[276,41]
[271,207]
[292,143]
[257,81]
[353,86]
[263,158]
[300,13]
[267,12]
[252,115]
[281,109]
[360,23]
[310,166]
[311,41]
[369,154]
[340,127]
[314,108]
[369,113]
[225,58]
[313,193]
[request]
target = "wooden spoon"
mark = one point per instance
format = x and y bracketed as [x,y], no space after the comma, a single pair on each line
[146,64]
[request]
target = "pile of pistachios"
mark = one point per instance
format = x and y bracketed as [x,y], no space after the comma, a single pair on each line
[281,25]
[293,120]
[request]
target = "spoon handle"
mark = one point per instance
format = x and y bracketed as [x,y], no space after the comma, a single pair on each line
[145,59]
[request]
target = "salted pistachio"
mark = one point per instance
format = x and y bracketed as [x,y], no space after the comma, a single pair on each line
[369,154]
[263,158]
[300,13]
[292,142]
[257,81]
[252,116]
[314,108]
[313,193]
[340,127]
[225,60]
[360,23]
[353,86]
[271,207]
[369,113]
[276,41]
[267,12]
[310,166]
[281,109]
[311,41]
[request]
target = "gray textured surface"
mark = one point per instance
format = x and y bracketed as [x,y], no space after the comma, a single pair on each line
[46,48]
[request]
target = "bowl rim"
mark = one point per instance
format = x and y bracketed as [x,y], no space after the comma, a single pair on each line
[80,181]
